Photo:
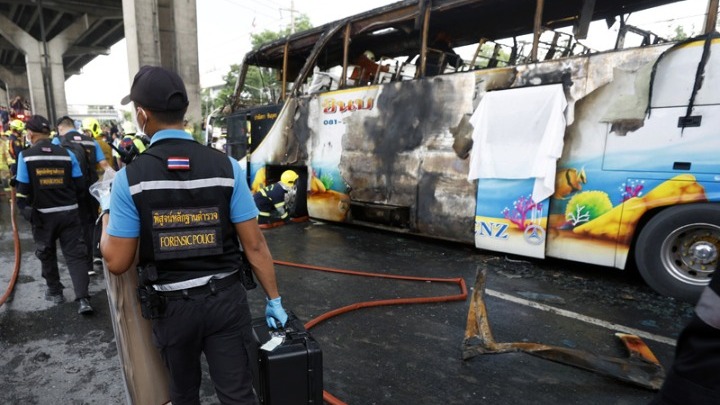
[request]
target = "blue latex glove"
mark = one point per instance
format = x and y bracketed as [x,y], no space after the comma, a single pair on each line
[274,311]
[105,202]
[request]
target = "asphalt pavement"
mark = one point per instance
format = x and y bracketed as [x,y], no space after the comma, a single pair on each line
[400,354]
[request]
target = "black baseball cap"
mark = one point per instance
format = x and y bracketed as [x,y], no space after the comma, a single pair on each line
[157,89]
[65,118]
[38,123]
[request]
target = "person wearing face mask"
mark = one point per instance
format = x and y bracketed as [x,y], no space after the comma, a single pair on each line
[49,186]
[189,210]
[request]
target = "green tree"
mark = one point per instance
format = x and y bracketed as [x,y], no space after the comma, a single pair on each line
[223,97]
[680,34]
[261,84]
[302,23]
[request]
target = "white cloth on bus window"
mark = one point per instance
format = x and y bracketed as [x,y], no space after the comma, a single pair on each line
[518,134]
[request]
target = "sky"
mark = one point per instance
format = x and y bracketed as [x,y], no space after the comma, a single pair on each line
[225,26]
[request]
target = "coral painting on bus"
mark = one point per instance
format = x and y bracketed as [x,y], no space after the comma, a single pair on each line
[508,219]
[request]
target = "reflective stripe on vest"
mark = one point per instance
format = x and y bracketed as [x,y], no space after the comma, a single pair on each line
[58,209]
[181,184]
[41,158]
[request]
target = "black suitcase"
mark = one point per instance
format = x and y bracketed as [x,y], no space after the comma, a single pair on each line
[290,374]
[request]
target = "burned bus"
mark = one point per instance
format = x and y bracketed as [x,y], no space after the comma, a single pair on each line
[531,143]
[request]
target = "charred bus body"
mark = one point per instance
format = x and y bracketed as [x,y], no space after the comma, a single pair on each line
[537,147]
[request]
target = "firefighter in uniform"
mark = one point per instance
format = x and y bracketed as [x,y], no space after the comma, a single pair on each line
[91,128]
[5,160]
[694,378]
[67,133]
[16,143]
[271,199]
[186,205]
[49,184]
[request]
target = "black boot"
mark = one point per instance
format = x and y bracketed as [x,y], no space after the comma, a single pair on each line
[85,308]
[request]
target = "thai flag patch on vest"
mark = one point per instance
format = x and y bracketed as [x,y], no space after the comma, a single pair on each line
[178,163]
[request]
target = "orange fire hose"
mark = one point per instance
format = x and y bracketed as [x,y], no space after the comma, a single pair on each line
[16,240]
[329,398]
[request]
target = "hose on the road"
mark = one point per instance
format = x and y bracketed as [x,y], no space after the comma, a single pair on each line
[16,241]
[329,398]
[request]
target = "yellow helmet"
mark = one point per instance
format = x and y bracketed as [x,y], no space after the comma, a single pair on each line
[92,125]
[17,125]
[288,177]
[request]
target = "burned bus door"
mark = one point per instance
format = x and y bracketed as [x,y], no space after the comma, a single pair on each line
[261,120]
[297,201]
[237,136]
[248,128]
[515,161]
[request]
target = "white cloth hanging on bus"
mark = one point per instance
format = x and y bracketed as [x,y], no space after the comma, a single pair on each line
[518,134]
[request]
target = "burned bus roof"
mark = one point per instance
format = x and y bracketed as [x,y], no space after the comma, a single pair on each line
[393,29]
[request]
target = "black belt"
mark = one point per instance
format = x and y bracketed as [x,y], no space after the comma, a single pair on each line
[213,285]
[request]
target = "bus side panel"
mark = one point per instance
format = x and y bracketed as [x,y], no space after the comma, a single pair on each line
[507,220]
[328,117]
[611,142]
[617,86]
[384,155]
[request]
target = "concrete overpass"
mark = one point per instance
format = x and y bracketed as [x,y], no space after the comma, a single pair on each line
[44,42]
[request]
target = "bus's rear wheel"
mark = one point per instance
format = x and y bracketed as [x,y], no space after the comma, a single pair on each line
[677,251]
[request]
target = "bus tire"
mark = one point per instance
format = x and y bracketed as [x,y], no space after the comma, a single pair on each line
[677,250]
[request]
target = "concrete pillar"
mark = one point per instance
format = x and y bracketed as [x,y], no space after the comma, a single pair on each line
[164,33]
[56,49]
[33,52]
[38,75]
[185,48]
[141,34]
[17,85]
[34,65]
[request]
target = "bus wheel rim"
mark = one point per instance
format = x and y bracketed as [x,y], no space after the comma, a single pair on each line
[690,253]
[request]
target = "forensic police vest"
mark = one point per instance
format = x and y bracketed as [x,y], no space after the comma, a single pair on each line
[50,170]
[182,192]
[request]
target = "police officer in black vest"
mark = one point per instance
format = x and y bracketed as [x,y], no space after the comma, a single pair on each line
[89,149]
[49,186]
[694,378]
[186,205]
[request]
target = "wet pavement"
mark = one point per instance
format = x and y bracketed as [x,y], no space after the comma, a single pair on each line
[406,354]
